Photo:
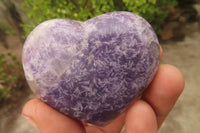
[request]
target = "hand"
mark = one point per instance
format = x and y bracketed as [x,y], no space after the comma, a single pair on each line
[145,116]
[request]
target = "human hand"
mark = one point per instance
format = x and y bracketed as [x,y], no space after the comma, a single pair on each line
[145,115]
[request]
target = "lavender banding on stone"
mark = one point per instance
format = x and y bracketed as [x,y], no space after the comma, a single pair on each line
[93,70]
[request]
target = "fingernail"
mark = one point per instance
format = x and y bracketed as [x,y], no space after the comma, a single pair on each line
[30,121]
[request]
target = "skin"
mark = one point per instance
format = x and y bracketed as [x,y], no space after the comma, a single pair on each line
[145,115]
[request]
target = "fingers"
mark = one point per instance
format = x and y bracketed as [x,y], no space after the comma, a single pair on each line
[161,53]
[164,91]
[48,120]
[141,118]
[116,125]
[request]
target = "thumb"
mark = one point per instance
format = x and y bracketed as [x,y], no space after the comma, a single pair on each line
[48,120]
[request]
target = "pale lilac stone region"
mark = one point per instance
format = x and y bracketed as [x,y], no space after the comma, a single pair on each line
[91,71]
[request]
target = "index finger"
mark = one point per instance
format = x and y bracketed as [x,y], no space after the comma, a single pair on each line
[164,91]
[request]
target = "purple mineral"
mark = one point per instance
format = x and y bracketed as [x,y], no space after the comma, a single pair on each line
[93,70]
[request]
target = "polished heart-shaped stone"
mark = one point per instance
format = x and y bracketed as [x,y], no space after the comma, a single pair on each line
[93,70]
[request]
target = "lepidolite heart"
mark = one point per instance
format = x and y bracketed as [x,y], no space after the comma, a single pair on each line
[91,71]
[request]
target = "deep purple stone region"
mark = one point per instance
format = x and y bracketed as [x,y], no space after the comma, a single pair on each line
[93,70]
